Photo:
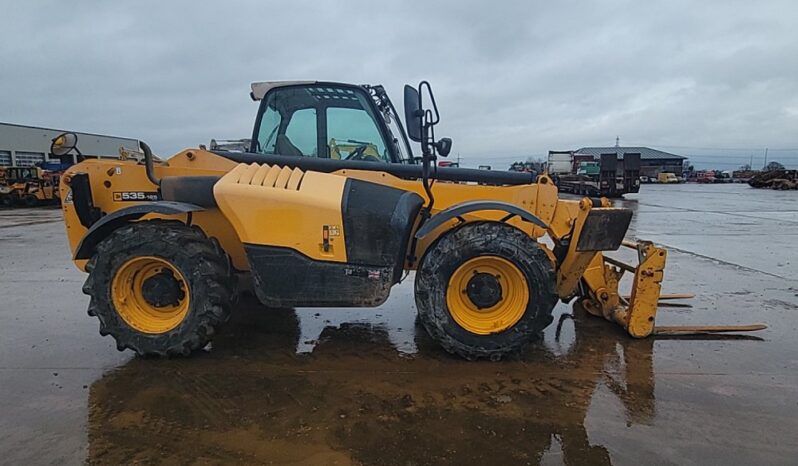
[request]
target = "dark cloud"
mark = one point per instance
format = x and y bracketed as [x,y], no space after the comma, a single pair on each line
[714,80]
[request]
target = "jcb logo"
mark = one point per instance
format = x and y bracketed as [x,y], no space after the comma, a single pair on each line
[135,196]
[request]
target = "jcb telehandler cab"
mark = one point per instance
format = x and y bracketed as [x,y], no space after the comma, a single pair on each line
[331,207]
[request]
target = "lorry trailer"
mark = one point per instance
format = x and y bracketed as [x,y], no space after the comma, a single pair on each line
[613,178]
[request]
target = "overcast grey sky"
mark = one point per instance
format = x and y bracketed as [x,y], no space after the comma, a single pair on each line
[717,81]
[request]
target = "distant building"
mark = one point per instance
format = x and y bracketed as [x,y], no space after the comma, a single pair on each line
[652,161]
[24,146]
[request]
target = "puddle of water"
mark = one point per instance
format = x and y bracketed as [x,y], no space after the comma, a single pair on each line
[396,317]
[354,399]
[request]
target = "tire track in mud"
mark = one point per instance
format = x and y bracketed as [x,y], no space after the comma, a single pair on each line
[733,213]
[721,261]
[34,222]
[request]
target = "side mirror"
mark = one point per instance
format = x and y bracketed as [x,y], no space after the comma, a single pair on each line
[413,113]
[63,144]
[444,146]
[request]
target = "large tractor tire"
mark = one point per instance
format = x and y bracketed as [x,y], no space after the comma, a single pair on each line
[485,290]
[160,288]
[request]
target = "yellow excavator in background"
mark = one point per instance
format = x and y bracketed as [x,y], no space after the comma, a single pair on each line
[330,207]
[29,186]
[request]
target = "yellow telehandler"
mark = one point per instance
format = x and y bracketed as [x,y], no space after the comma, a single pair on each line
[29,186]
[330,207]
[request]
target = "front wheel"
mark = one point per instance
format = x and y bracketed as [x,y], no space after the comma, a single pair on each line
[485,290]
[160,288]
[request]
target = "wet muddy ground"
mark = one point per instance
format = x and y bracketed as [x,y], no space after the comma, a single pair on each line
[343,386]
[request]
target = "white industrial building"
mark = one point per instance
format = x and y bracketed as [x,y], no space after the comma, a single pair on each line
[24,146]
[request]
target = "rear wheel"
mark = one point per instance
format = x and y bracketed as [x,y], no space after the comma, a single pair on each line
[159,288]
[485,290]
[7,200]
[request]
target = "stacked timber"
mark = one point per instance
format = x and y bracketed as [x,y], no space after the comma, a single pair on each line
[776,179]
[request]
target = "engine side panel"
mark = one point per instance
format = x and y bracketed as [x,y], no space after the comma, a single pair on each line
[264,210]
[316,239]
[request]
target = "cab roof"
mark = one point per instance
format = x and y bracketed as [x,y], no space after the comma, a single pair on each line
[259,89]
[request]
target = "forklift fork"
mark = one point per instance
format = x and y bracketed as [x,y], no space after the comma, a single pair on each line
[637,312]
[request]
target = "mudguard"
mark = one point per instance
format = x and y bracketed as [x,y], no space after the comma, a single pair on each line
[474,206]
[104,226]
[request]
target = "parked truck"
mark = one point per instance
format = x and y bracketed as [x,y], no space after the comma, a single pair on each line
[560,162]
[609,177]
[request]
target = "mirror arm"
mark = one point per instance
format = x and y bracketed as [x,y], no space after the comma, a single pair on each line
[424,121]
[428,156]
[426,84]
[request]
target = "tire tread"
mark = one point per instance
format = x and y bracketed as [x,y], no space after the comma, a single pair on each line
[210,279]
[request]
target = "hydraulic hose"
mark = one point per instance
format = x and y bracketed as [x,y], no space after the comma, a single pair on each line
[148,166]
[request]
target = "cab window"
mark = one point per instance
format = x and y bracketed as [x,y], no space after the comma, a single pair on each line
[267,133]
[301,133]
[326,121]
[352,134]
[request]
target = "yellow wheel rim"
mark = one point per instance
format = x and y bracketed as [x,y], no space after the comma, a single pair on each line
[477,307]
[136,307]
